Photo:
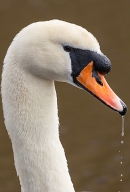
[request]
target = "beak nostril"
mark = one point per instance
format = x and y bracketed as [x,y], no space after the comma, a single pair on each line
[97,77]
[99,82]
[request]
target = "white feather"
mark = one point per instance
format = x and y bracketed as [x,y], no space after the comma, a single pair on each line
[34,60]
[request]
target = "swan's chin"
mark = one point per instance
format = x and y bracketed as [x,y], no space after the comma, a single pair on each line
[95,83]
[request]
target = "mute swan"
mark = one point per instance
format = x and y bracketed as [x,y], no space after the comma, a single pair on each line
[40,54]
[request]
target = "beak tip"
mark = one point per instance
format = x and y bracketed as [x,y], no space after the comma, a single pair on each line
[123,112]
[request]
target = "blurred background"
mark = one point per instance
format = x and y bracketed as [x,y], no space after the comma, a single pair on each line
[89,131]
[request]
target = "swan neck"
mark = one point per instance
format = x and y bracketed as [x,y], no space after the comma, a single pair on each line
[31,118]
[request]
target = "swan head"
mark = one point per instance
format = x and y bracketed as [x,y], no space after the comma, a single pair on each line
[61,51]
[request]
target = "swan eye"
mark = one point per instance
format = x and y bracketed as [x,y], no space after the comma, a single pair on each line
[68,48]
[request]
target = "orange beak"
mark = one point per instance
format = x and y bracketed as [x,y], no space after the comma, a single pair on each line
[101,89]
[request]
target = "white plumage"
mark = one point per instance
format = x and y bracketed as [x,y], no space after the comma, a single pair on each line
[34,60]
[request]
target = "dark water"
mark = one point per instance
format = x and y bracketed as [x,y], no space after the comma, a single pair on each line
[89,131]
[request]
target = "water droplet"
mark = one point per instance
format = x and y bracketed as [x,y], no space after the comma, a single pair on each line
[123,119]
[122,142]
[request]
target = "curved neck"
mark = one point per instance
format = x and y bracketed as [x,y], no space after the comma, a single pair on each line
[33,128]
